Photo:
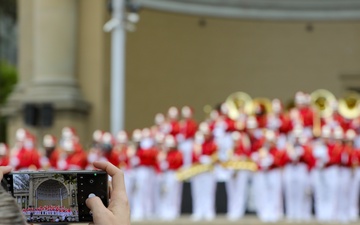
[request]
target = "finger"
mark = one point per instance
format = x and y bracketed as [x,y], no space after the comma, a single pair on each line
[95,205]
[4,170]
[118,184]
[110,189]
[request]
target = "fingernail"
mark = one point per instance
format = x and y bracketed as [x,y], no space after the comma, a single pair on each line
[91,195]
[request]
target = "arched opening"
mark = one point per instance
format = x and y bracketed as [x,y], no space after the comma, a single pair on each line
[52,193]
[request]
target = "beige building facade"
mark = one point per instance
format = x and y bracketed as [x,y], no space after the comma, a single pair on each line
[172,59]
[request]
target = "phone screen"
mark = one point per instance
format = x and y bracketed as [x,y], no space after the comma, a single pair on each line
[57,196]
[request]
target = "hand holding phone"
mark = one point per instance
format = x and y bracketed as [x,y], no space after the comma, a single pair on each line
[118,211]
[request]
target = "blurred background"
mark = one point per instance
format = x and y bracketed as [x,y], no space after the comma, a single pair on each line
[56,57]
[112,65]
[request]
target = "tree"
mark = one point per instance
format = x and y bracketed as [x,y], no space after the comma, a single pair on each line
[8,79]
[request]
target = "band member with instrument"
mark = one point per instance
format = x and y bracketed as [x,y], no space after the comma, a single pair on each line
[204,184]
[237,187]
[267,180]
[170,160]
[348,160]
[188,128]
[296,176]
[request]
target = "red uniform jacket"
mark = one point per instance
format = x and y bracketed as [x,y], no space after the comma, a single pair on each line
[306,157]
[188,128]
[286,124]
[273,159]
[113,157]
[242,148]
[208,148]
[349,157]
[334,152]
[27,158]
[123,158]
[147,157]
[175,127]
[230,123]
[307,116]
[174,159]
[4,160]
[75,160]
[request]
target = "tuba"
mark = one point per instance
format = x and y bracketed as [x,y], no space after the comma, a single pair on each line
[349,105]
[239,103]
[264,103]
[323,102]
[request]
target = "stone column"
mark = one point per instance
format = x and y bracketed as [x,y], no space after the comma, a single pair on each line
[31,192]
[48,67]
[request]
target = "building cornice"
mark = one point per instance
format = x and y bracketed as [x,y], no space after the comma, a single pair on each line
[293,10]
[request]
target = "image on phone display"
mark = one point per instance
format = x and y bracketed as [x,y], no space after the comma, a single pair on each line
[57,196]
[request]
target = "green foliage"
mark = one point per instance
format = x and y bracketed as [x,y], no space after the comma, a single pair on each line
[8,79]
[68,178]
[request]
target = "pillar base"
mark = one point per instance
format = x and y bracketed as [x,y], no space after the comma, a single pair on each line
[70,109]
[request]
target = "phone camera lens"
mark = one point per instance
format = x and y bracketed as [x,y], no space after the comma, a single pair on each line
[91,181]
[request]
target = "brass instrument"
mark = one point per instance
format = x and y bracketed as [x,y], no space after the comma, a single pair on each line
[322,101]
[265,102]
[196,169]
[238,103]
[349,105]
[240,165]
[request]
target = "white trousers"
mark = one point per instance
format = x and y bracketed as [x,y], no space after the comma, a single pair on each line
[343,195]
[297,192]
[129,179]
[268,195]
[354,195]
[186,148]
[325,185]
[143,196]
[170,197]
[203,188]
[237,189]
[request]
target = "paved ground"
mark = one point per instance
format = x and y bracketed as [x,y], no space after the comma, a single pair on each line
[221,220]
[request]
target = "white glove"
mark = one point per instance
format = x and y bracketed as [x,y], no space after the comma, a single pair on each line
[134,161]
[204,159]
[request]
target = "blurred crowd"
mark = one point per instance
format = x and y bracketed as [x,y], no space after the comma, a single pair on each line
[297,159]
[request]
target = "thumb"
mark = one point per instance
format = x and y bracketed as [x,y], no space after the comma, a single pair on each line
[96,206]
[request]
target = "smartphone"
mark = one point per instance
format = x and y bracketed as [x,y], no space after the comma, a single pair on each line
[56,196]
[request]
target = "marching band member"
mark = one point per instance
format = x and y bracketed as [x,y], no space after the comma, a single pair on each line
[144,161]
[204,185]
[255,134]
[95,149]
[237,188]
[355,183]
[222,129]
[267,180]
[27,157]
[71,155]
[170,161]
[321,155]
[172,120]
[279,121]
[188,128]
[296,176]
[348,157]
[51,155]
[325,174]
[4,155]
[303,113]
